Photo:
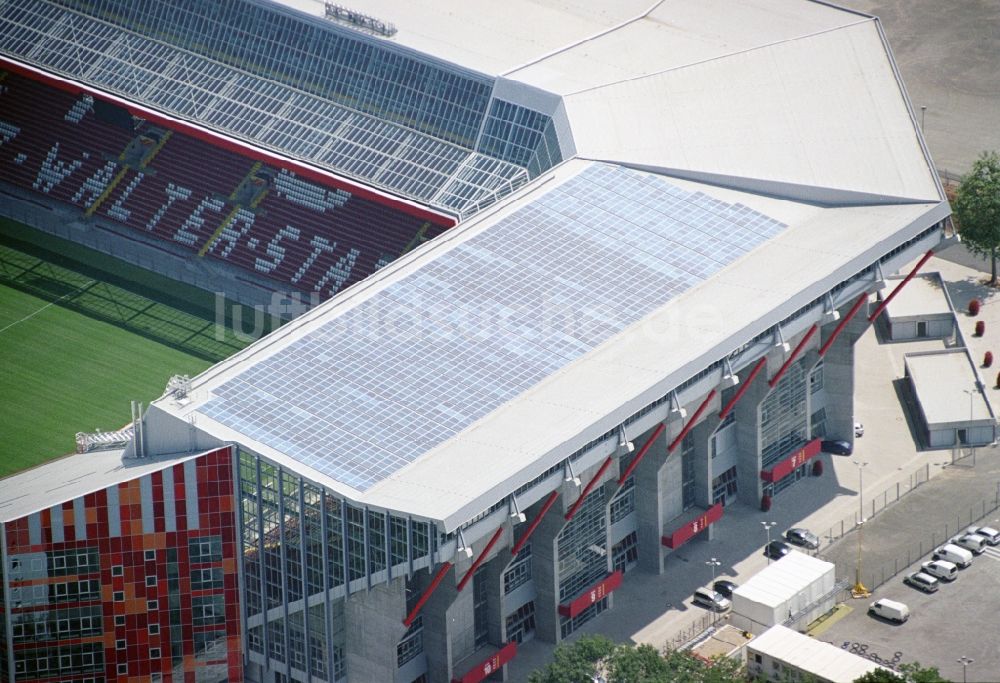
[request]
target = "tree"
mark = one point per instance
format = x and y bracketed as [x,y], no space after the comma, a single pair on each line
[623,663]
[977,209]
[908,673]
[574,662]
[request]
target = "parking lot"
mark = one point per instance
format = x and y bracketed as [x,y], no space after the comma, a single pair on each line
[960,620]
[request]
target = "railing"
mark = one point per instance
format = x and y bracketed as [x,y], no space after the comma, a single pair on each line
[878,503]
[686,636]
[873,577]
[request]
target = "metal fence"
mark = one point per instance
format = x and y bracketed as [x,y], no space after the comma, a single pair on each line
[876,574]
[695,629]
[877,503]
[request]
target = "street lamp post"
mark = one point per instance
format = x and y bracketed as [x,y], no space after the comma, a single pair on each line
[767,528]
[859,590]
[713,563]
[965,661]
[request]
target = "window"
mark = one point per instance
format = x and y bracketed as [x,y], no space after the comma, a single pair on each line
[519,572]
[623,503]
[816,378]
[205,549]
[150,581]
[203,579]
[120,644]
[117,570]
[119,596]
[153,629]
[122,669]
[119,620]
[152,605]
[150,555]
[154,653]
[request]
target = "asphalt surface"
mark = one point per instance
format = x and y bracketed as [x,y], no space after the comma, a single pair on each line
[962,618]
[948,54]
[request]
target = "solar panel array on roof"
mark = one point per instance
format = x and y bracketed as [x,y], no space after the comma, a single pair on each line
[373,389]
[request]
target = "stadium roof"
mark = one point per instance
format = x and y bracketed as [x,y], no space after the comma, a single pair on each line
[789,98]
[438,386]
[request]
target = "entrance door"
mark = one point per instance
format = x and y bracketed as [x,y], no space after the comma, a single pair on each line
[921,329]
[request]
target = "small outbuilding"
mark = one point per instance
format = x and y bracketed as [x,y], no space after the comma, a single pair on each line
[952,408]
[796,589]
[921,310]
[783,654]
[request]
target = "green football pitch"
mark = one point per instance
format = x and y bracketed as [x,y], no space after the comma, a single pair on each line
[78,342]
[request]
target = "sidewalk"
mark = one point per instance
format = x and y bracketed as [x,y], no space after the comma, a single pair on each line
[655,609]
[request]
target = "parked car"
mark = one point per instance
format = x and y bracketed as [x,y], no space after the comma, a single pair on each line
[972,542]
[950,552]
[859,429]
[940,569]
[803,538]
[724,587]
[837,447]
[711,599]
[776,550]
[991,535]
[921,581]
[890,609]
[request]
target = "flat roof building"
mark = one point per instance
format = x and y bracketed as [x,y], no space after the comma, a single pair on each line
[922,310]
[780,653]
[953,408]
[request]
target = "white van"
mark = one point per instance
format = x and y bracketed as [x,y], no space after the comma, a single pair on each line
[945,571]
[950,552]
[973,542]
[890,609]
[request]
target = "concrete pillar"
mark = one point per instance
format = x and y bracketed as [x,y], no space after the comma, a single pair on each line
[374,627]
[838,375]
[438,614]
[702,436]
[544,564]
[648,506]
[748,441]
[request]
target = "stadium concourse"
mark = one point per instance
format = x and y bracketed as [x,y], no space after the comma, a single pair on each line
[593,273]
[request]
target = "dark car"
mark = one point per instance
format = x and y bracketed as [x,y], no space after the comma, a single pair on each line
[837,447]
[776,550]
[724,588]
[802,538]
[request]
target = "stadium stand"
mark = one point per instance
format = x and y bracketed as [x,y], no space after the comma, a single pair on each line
[259,217]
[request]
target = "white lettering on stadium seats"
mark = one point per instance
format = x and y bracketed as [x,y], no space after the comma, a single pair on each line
[53,171]
[319,245]
[195,222]
[119,212]
[339,272]
[275,251]
[230,234]
[173,194]
[307,194]
[8,131]
[95,184]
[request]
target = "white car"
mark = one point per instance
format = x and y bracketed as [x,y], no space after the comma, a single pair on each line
[991,535]
[859,429]
[940,569]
